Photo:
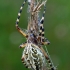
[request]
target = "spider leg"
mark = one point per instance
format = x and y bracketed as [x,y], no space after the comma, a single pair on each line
[38,6]
[22,59]
[35,9]
[45,41]
[20,11]
[23,45]
[41,31]
[44,52]
[43,3]
[17,21]
[21,31]
[47,56]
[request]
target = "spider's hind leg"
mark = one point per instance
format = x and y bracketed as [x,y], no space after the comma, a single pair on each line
[41,30]
[47,56]
[22,59]
[17,21]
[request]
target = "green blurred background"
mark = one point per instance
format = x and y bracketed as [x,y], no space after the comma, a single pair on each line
[57,30]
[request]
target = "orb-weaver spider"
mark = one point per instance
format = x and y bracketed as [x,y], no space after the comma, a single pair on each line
[34,55]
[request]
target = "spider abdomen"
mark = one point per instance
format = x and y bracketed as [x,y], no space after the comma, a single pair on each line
[33,57]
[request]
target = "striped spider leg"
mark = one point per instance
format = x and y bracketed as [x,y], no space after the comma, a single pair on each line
[41,30]
[41,34]
[18,28]
[17,21]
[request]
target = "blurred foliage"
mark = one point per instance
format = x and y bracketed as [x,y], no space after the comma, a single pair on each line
[57,30]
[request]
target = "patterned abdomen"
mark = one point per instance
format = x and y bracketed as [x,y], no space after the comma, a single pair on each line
[33,58]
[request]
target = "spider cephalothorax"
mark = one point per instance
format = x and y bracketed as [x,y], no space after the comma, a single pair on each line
[34,56]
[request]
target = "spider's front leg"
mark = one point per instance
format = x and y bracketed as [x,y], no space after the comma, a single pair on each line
[21,31]
[17,21]
[38,6]
[41,30]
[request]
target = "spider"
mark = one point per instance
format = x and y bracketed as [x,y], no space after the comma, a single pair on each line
[34,55]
